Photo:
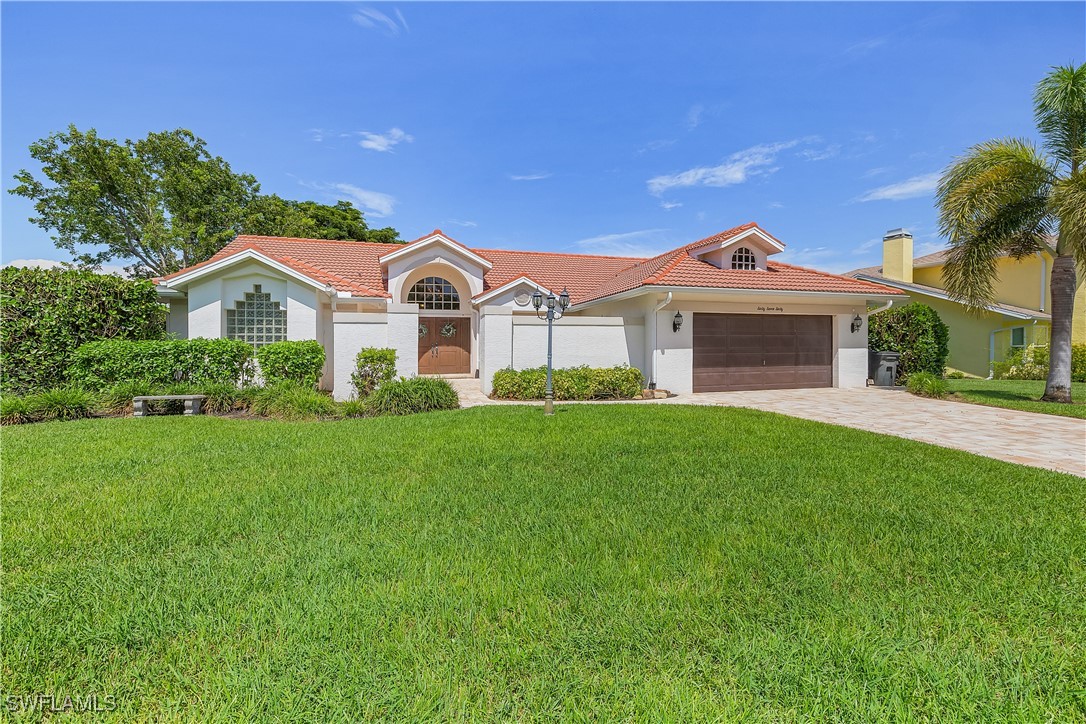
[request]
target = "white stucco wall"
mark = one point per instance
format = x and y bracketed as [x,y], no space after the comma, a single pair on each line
[592,341]
[177,318]
[350,333]
[495,343]
[849,351]
[403,336]
[674,350]
[209,299]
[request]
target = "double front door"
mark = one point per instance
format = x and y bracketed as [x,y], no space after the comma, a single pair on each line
[444,345]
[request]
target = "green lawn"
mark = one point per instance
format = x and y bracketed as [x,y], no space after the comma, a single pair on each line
[1019,395]
[612,562]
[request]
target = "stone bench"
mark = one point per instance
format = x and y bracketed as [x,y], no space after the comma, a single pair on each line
[193,403]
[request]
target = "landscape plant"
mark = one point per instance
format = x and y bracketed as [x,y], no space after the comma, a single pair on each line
[571,383]
[411,395]
[917,332]
[374,366]
[925,384]
[299,361]
[292,401]
[198,361]
[1007,197]
[46,314]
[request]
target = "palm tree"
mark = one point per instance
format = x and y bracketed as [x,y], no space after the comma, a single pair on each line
[1007,197]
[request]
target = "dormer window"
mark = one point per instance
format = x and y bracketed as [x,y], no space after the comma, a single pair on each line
[744,258]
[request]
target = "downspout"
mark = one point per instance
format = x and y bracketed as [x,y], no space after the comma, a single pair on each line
[1044,267]
[656,338]
[883,308]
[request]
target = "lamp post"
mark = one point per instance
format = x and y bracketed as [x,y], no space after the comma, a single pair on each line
[556,307]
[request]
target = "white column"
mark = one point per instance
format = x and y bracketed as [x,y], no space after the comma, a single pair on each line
[495,343]
[674,351]
[849,351]
[403,336]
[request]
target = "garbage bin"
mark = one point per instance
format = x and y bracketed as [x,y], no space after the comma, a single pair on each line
[883,368]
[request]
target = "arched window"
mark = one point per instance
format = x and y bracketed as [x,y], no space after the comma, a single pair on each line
[257,319]
[744,258]
[434,293]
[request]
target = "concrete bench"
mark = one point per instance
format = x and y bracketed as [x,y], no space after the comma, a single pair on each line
[193,403]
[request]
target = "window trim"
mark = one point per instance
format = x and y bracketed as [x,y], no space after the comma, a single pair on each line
[1021,329]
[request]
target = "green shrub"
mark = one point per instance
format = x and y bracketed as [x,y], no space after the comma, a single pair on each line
[1031,363]
[14,410]
[101,365]
[408,396]
[291,361]
[117,400]
[293,401]
[61,403]
[222,399]
[46,314]
[573,383]
[925,384]
[353,408]
[917,332]
[955,375]
[374,366]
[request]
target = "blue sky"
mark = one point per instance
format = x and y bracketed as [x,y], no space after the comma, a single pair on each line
[600,128]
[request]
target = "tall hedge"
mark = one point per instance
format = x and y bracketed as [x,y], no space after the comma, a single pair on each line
[100,365]
[46,314]
[917,332]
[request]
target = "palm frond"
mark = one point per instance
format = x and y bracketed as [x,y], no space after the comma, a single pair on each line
[1059,107]
[1068,203]
[992,201]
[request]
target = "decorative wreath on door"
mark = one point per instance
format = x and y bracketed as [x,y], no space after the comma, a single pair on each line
[422,330]
[449,330]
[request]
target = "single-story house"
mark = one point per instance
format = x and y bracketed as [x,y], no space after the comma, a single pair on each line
[716,314]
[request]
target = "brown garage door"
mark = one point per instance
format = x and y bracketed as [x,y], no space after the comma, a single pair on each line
[762,352]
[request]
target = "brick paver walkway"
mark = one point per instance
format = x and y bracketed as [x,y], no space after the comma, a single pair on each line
[1027,438]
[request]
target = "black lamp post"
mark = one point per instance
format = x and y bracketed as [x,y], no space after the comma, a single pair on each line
[556,307]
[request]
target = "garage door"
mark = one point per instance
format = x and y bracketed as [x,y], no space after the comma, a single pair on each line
[762,352]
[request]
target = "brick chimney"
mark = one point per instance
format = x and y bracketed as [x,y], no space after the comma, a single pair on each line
[897,255]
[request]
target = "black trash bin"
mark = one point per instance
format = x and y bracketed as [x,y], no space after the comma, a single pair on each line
[883,367]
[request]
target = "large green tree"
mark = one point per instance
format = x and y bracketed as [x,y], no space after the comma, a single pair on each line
[1007,196]
[162,201]
[275,216]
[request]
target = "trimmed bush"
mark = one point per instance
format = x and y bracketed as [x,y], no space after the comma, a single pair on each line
[1031,363]
[117,400]
[46,314]
[573,383]
[917,332]
[925,384]
[291,361]
[408,396]
[222,399]
[101,365]
[292,401]
[374,366]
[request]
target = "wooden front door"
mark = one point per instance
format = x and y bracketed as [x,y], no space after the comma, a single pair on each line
[444,345]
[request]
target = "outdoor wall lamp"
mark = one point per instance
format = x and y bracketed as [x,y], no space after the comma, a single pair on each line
[857,322]
[677,322]
[562,303]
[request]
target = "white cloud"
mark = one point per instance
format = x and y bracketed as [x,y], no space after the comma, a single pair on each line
[809,256]
[55,264]
[373,203]
[468,224]
[867,245]
[374,19]
[776,205]
[644,242]
[657,145]
[669,205]
[814,154]
[538,176]
[384,141]
[753,161]
[878,171]
[694,115]
[908,189]
[864,46]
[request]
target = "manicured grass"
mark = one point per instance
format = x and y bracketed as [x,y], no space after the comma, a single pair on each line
[612,562]
[1018,395]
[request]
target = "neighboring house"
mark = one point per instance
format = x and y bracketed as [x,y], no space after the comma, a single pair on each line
[1018,317]
[716,314]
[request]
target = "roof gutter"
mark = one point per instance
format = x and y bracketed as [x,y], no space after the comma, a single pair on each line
[727,291]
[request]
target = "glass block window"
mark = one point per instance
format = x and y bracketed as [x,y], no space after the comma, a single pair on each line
[257,319]
[744,258]
[434,293]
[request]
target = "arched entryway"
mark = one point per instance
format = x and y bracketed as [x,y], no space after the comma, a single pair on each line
[444,329]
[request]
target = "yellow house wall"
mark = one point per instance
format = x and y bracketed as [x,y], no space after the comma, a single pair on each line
[970,334]
[1019,282]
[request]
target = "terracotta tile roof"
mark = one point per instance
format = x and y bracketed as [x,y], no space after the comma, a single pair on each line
[355,267]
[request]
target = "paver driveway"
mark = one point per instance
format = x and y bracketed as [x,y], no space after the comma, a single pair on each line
[1028,438]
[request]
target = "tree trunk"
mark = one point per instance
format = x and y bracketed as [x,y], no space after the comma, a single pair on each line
[1058,387]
